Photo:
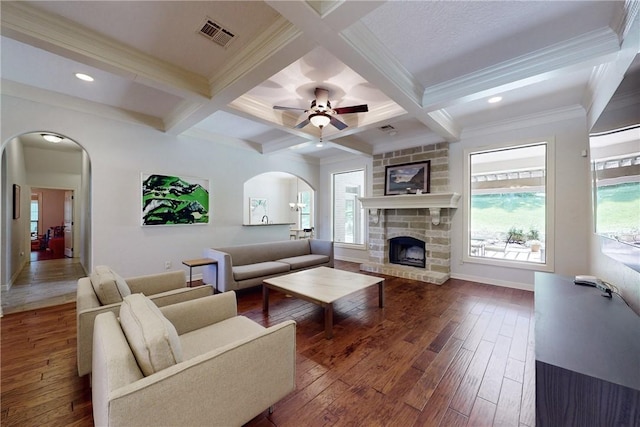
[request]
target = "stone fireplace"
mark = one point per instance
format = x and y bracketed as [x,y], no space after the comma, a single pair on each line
[421,223]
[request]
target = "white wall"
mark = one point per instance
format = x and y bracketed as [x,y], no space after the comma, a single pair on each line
[15,232]
[120,151]
[572,202]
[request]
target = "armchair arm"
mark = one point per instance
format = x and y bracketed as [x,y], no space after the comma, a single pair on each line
[180,295]
[157,283]
[322,247]
[195,314]
[86,297]
[240,380]
[85,320]
[224,270]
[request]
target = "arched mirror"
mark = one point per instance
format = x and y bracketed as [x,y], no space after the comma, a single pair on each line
[278,198]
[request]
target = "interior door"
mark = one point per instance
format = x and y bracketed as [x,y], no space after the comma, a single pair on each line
[68,224]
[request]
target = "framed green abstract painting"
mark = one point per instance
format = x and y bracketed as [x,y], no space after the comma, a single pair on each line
[174,200]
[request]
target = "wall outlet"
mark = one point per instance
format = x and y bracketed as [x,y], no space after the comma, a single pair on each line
[167,265]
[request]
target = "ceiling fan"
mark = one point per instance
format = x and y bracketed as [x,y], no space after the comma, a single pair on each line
[321,114]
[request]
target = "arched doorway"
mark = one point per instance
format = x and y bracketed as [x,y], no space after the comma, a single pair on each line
[60,164]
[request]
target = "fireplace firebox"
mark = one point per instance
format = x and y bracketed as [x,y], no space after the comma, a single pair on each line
[407,251]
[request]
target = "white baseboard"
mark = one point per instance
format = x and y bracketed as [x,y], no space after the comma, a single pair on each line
[495,282]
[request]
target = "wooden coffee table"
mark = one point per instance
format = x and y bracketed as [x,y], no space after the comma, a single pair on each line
[322,286]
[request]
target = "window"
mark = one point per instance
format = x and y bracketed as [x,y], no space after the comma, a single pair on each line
[305,211]
[35,209]
[509,206]
[348,217]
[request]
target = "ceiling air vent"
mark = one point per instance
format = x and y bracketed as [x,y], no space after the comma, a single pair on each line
[389,130]
[216,32]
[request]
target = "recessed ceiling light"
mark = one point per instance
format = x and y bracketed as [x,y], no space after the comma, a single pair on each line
[494,99]
[51,138]
[319,144]
[85,77]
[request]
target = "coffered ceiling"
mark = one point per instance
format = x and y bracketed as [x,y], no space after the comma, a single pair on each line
[426,69]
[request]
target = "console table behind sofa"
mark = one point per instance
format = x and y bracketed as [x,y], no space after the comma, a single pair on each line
[245,266]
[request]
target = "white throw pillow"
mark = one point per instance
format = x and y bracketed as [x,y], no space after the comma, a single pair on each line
[109,287]
[152,338]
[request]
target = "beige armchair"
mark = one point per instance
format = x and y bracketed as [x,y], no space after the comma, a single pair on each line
[104,290]
[194,363]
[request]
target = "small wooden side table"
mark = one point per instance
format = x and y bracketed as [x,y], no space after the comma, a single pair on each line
[199,263]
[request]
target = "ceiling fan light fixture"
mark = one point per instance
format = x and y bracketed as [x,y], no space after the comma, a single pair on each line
[51,137]
[319,120]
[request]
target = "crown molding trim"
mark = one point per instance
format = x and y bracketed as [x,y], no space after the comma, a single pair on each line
[596,46]
[54,99]
[548,116]
[278,36]
[362,40]
[27,24]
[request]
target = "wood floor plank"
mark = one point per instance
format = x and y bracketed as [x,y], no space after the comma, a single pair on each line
[438,404]
[508,408]
[492,379]
[422,391]
[482,413]
[467,391]
[401,365]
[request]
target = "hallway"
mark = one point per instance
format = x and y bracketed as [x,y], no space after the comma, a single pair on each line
[43,284]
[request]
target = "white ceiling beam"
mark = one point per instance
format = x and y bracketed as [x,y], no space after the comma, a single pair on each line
[360,50]
[56,99]
[592,49]
[280,44]
[605,79]
[63,37]
[352,145]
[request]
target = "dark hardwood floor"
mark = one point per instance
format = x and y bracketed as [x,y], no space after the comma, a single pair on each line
[460,354]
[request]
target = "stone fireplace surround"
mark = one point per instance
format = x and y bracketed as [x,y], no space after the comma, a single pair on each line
[397,216]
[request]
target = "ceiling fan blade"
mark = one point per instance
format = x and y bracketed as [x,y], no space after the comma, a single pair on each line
[279,107]
[337,123]
[353,109]
[301,124]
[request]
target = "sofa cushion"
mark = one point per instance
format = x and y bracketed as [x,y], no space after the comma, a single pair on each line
[218,335]
[305,261]
[249,271]
[152,338]
[109,287]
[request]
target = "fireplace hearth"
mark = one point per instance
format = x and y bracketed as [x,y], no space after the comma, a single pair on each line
[406,250]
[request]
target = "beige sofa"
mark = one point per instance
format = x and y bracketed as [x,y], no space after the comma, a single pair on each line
[103,291]
[245,266]
[195,363]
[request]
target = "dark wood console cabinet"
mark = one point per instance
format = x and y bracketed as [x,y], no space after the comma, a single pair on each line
[587,356]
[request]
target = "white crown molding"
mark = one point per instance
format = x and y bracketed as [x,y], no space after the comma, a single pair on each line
[543,117]
[368,46]
[274,39]
[25,23]
[54,99]
[236,143]
[596,46]
[406,90]
[606,78]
